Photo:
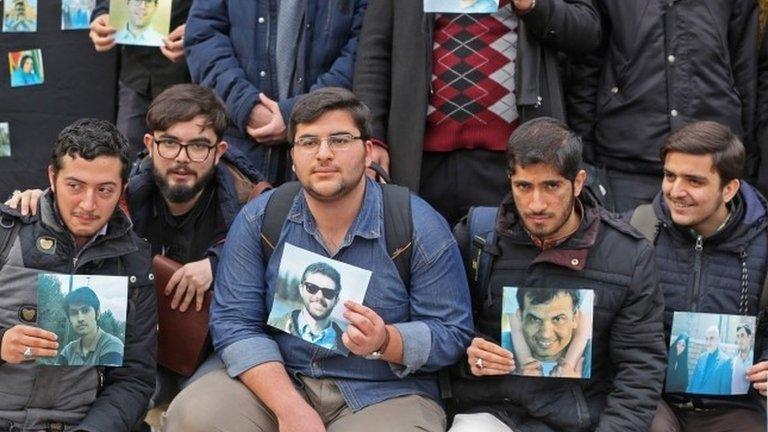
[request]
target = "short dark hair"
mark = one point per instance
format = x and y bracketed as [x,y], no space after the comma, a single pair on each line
[747,328]
[546,295]
[90,138]
[545,140]
[24,59]
[710,138]
[183,102]
[323,269]
[326,99]
[82,296]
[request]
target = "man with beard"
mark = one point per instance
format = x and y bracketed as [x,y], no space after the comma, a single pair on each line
[552,233]
[319,288]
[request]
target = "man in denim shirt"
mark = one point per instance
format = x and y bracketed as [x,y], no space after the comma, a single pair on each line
[397,339]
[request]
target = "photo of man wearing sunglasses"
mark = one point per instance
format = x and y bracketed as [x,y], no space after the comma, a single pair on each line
[319,289]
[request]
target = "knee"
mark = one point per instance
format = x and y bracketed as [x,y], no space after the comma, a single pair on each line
[189,412]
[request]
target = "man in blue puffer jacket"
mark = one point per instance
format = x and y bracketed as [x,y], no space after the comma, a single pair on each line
[262,56]
[711,246]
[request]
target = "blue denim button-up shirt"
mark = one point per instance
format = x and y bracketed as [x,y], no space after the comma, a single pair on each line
[433,317]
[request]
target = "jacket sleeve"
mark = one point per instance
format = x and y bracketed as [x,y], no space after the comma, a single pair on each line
[374,65]
[570,26]
[637,352]
[762,117]
[340,73]
[125,397]
[742,41]
[212,60]
[101,8]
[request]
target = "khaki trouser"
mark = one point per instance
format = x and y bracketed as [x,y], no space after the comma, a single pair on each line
[672,419]
[217,402]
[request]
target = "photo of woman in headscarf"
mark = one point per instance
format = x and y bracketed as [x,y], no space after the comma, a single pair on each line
[677,366]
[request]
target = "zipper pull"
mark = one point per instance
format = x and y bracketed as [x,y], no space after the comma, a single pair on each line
[699,243]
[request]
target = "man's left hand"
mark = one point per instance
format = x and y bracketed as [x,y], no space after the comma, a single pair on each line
[274,131]
[191,282]
[365,332]
[173,45]
[758,374]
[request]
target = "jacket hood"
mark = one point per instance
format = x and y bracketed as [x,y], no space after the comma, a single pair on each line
[749,218]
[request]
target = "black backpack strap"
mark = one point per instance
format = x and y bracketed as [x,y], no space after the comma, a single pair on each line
[276,212]
[9,230]
[398,229]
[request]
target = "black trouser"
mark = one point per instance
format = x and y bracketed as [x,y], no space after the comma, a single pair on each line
[454,181]
[672,419]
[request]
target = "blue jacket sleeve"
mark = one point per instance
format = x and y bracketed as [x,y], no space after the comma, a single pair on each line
[212,59]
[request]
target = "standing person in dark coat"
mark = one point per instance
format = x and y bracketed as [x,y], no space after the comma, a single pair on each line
[447,90]
[677,359]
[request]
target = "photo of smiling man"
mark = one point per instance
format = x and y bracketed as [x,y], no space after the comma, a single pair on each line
[549,330]
[140,22]
[309,289]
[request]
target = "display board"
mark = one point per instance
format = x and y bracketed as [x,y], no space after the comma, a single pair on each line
[77,82]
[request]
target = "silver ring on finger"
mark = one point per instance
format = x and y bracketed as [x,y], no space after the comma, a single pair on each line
[479,363]
[27,353]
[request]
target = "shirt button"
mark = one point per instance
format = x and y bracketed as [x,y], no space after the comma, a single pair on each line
[671,58]
[574,262]
[673,113]
[263,74]
[261,20]
[615,90]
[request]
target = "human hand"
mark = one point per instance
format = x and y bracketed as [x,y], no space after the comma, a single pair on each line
[25,202]
[19,338]
[301,419]
[258,117]
[366,331]
[568,370]
[173,45]
[191,282]
[758,374]
[523,6]
[273,132]
[102,34]
[494,360]
[380,155]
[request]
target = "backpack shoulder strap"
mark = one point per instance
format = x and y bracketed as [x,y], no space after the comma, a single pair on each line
[644,220]
[398,229]
[9,230]
[278,206]
[482,234]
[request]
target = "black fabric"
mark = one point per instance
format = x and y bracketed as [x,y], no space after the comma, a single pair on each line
[762,116]
[78,83]
[185,238]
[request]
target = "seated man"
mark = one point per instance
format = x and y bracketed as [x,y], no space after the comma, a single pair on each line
[319,288]
[94,346]
[709,228]
[551,233]
[402,334]
[79,229]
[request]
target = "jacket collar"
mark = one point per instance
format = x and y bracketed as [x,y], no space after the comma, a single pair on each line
[571,253]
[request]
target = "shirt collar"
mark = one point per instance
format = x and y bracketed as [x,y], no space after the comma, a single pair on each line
[302,322]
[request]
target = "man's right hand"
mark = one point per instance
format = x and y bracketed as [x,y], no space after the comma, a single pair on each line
[495,359]
[191,281]
[303,418]
[102,34]
[18,338]
[25,202]
[260,116]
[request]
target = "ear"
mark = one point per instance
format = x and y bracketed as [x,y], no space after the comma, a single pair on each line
[52,178]
[368,153]
[730,190]
[148,141]
[578,182]
[221,148]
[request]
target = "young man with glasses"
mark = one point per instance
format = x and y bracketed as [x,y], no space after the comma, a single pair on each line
[398,338]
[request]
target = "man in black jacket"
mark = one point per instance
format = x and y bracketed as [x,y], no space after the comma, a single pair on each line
[551,233]
[447,90]
[79,229]
[663,64]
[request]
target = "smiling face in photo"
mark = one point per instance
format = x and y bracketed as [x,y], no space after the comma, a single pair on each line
[320,295]
[548,327]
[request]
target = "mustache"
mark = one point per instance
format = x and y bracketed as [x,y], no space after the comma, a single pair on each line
[181,169]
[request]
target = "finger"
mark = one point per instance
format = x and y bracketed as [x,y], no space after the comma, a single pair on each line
[492,348]
[758,367]
[759,376]
[199,297]
[492,360]
[362,322]
[345,339]
[24,203]
[356,336]
[43,352]
[760,386]
[36,342]
[265,132]
[364,310]
[175,46]
[181,290]
[188,297]
[38,333]
[174,280]
[269,103]
[33,200]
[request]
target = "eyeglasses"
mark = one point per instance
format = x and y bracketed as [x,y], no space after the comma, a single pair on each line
[337,142]
[170,149]
[312,289]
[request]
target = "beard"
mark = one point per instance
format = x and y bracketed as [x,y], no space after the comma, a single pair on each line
[181,193]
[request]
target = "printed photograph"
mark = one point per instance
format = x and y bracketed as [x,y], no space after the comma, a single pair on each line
[709,354]
[19,16]
[310,295]
[76,14]
[461,6]
[549,330]
[26,68]
[140,22]
[5,140]
[87,313]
